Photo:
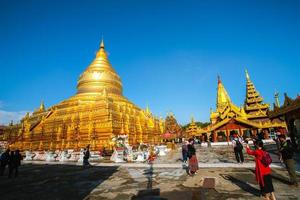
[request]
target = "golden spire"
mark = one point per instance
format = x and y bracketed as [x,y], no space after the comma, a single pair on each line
[276,99]
[192,119]
[254,102]
[100,75]
[42,106]
[148,109]
[102,43]
[247,75]
[222,97]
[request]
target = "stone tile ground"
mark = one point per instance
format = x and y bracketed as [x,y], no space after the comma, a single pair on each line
[43,181]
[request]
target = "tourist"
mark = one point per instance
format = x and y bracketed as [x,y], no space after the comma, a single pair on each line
[17,162]
[238,148]
[193,162]
[184,151]
[286,156]
[152,155]
[262,171]
[11,164]
[4,159]
[86,156]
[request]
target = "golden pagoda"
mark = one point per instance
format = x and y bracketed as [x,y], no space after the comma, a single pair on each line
[192,129]
[93,116]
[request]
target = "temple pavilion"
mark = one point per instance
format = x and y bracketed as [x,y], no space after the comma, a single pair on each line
[229,119]
[290,112]
[96,114]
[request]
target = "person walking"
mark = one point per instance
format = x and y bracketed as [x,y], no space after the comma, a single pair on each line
[184,151]
[193,161]
[238,148]
[287,152]
[86,156]
[262,170]
[4,159]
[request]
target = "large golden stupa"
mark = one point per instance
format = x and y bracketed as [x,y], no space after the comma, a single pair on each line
[93,116]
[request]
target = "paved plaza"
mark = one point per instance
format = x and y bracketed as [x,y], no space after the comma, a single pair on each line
[219,177]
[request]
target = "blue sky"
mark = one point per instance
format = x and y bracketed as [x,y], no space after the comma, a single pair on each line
[168,53]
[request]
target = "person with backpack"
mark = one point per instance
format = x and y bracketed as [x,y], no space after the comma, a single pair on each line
[238,148]
[287,152]
[262,169]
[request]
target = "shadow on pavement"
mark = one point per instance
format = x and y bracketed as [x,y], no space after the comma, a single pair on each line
[277,177]
[148,193]
[53,182]
[280,178]
[243,185]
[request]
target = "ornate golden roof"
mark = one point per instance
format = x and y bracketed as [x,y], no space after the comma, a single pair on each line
[254,105]
[100,77]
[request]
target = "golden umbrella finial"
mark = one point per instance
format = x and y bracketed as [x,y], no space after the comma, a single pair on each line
[102,43]
[247,75]
[219,79]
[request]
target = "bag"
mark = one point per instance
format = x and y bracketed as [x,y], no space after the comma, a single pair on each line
[266,159]
[239,145]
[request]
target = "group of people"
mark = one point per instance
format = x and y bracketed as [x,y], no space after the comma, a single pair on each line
[262,160]
[12,159]
[189,155]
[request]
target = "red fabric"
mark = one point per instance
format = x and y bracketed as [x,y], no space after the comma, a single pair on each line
[260,169]
[193,164]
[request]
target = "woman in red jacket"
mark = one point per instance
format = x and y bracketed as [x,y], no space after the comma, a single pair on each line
[262,172]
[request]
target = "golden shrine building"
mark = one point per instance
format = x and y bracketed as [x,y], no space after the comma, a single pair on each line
[229,119]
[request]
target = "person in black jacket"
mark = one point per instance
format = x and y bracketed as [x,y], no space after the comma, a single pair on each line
[286,155]
[11,164]
[17,162]
[193,162]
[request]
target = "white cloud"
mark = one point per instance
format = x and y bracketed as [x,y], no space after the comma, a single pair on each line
[7,116]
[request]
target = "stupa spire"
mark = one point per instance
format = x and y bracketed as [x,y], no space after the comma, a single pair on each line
[276,99]
[254,105]
[100,75]
[247,75]
[192,119]
[223,98]
[102,43]
[42,106]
